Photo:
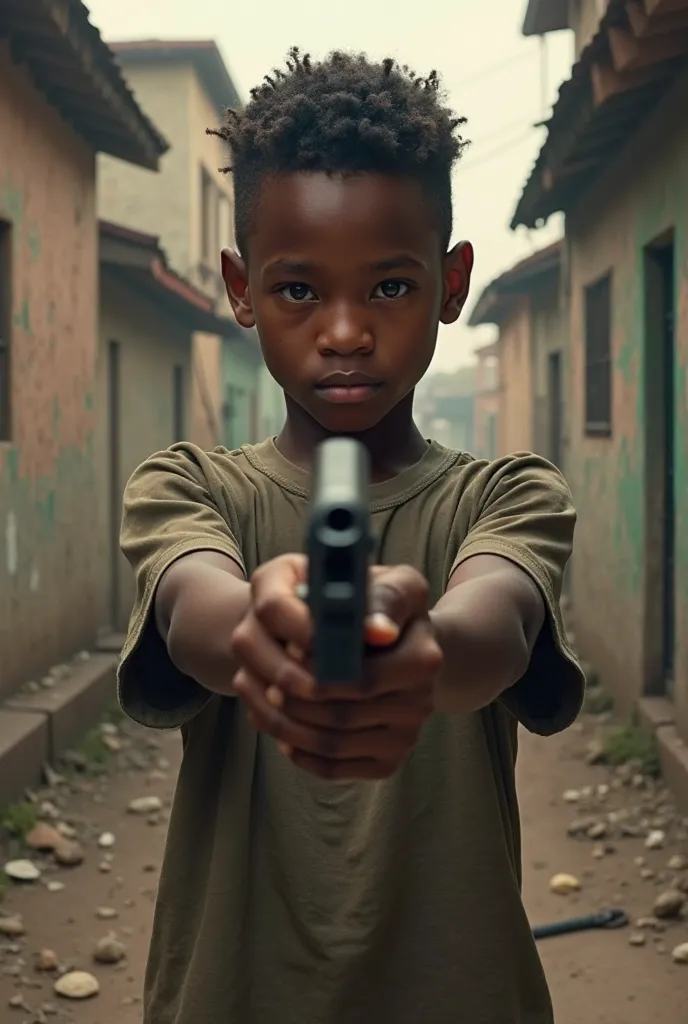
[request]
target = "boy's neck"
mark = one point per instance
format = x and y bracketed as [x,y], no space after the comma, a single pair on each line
[394,444]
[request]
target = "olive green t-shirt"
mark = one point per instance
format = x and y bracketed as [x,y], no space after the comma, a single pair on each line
[286,899]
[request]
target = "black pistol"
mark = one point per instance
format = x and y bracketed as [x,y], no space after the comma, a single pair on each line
[338,545]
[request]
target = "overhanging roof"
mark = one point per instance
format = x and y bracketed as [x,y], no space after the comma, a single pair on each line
[522,279]
[629,65]
[78,75]
[203,55]
[137,259]
[544,16]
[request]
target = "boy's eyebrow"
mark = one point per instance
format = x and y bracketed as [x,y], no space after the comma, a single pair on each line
[400,262]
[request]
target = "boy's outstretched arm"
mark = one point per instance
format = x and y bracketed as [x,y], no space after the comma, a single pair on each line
[487,624]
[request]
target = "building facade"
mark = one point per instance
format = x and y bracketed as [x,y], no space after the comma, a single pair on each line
[54,117]
[186,87]
[524,303]
[616,162]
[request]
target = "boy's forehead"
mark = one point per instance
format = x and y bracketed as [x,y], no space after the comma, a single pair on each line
[362,210]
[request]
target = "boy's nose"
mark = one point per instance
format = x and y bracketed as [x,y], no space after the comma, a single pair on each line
[345,333]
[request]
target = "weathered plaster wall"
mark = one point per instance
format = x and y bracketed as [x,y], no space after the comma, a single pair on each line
[151,344]
[49,585]
[644,195]
[515,369]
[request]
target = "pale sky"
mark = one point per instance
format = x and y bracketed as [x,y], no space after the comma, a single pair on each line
[492,74]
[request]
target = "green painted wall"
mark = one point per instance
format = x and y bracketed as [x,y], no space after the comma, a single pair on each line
[617,560]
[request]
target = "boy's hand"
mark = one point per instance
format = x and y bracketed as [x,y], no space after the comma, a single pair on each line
[348,733]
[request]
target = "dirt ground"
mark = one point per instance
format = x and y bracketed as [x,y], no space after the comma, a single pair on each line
[596,977]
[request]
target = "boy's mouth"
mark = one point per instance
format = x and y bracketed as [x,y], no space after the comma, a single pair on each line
[342,388]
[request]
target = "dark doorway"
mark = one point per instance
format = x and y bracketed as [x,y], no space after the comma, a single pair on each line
[660,429]
[115,497]
[555,398]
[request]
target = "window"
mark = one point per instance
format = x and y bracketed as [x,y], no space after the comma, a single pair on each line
[598,368]
[5,330]
[225,226]
[208,218]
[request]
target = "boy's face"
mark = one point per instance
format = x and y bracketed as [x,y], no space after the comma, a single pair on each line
[346,284]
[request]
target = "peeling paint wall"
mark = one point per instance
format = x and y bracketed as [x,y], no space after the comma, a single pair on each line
[151,344]
[548,336]
[241,395]
[643,196]
[49,581]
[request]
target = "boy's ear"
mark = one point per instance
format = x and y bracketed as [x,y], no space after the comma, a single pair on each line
[458,266]
[235,277]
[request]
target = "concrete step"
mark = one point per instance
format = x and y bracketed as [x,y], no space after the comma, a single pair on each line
[36,727]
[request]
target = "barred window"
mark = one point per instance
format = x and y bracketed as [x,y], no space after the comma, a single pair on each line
[598,363]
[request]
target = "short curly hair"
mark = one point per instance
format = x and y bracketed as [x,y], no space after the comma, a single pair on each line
[343,115]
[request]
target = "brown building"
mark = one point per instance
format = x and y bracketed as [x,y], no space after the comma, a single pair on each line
[615,160]
[62,100]
[524,303]
[486,403]
[149,316]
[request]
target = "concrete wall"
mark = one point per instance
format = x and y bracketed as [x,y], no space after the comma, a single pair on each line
[50,601]
[515,369]
[156,203]
[643,195]
[240,381]
[548,335]
[151,344]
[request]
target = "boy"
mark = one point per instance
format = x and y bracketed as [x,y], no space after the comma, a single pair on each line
[346,858]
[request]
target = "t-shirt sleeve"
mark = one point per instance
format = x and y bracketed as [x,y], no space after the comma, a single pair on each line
[170,509]
[523,511]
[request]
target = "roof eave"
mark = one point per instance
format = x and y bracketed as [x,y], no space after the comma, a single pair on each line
[545,16]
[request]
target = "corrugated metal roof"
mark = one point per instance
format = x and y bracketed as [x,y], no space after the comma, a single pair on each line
[77,73]
[203,54]
[520,279]
[582,136]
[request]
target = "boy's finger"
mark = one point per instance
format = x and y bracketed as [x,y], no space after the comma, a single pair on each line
[261,654]
[276,602]
[397,596]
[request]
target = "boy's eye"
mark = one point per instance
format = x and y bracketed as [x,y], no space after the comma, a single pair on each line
[391,290]
[297,292]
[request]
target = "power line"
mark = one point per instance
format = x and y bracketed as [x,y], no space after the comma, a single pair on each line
[491,70]
[498,151]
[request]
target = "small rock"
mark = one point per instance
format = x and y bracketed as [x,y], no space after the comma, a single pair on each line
[106,913]
[649,924]
[145,805]
[598,830]
[564,884]
[647,874]
[678,863]
[595,752]
[12,927]
[579,826]
[55,886]
[108,729]
[655,840]
[669,904]
[17,1002]
[66,831]
[106,841]
[49,1009]
[43,837]
[109,951]
[105,867]
[680,954]
[603,791]
[68,854]
[49,810]
[46,960]
[22,871]
[52,778]
[75,759]
[637,939]
[599,853]
[112,744]
[77,985]
[639,862]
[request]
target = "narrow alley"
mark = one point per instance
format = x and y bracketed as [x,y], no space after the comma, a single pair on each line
[592,822]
